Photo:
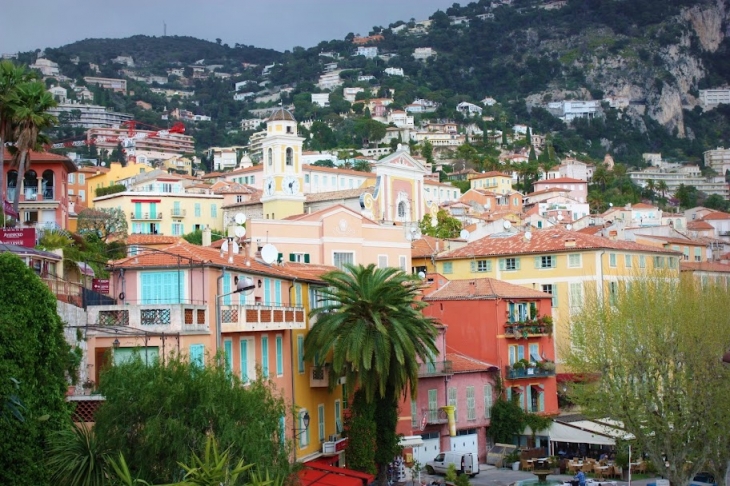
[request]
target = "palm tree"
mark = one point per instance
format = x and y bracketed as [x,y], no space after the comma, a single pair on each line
[651,187]
[11,76]
[662,187]
[31,101]
[371,325]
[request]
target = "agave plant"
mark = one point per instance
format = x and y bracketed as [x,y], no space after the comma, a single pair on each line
[76,458]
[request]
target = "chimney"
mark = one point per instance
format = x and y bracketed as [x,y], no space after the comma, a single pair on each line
[570,243]
[206,236]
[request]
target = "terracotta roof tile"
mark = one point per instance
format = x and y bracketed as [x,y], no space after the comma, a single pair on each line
[335,195]
[337,170]
[699,225]
[590,230]
[717,215]
[704,267]
[152,240]
[43,157]
[426,246]
[483,289]
[466,364]
[551,240]
[675,241]
[643,206]
[494,173]
[561,180]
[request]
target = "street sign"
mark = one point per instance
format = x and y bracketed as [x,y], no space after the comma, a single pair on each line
[100,285]
[21,237]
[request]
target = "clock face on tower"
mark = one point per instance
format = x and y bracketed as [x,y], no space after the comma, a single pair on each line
[291,185]
[269,186]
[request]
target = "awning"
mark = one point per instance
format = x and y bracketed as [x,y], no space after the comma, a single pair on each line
[411,441]
[85,269]
[538,387]
[560,432]
[518,388]
[316,473]
[601,428]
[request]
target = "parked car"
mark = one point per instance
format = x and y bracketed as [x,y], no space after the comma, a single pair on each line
[703,479]
[464,462]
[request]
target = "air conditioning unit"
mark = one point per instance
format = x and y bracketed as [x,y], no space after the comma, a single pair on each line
[334,438]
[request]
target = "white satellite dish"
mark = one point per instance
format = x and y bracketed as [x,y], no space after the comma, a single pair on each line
[240,218]
[507,225]
[269,254]
[235,248]
[240,231]
[421,275]
[569,227]
[528,235]
[245,285]
[409,236]
[560,217]
[464,234]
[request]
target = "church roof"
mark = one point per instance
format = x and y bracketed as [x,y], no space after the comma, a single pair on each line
[281,114]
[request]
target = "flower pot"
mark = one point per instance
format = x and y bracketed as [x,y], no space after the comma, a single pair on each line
[515,466]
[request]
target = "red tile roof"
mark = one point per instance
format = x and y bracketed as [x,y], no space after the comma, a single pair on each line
[643,206]
[484,289]
[426,246]
[699,225]
[43,157]
[675,241]
[590,230]
[466,364]
[560,180]
[717,215]
[494,173]
[152,240]
[551,240]
[184,253]
[704,267]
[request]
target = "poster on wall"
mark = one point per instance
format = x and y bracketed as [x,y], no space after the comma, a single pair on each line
[20,237]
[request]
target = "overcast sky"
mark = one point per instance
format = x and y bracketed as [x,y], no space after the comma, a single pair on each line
[27,25]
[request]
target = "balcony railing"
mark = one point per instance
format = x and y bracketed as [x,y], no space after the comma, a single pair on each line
[435,368]
[435,416]
[48,194]
[530,372]
[526,329]
[249,318]
[177,213]
[146,216]
[151,317]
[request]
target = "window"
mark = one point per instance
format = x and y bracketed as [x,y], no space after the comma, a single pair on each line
[481,266]
[279,356]
[304,438]
[320,421]
[452,401]
[642,261]
[246,359]
[197,354]
[672,262]
[402,261]
[534,350]
[471,406]
[213,211]
[289,156]
[299,257]
[574,260]
[576,295]
[338,417]
[343,258]
[516,353]
[382,261]
[627,261]
[162,287]
[612,260]
[239,198]
[265,356]
[612,292]
[509,264]
[414,415]
[228,352]
[197,210]
[433,411]
[271,156]
[546,261]
[306,178]
[658,262]
[177,229]
[698,254]
[401,210]
[552,289]
[488,401]
[300,354]
[448,267]
[71,178]
[82,195]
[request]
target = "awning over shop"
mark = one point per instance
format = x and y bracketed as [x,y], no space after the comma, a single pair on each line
[601,428]
[85,269]
[318,473]
[411,441]
[560,432]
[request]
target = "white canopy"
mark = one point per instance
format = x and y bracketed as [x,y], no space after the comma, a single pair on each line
[411,441]
[602,428]
[562,432]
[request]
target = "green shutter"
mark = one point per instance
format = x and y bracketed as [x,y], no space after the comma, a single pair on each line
[306,258]
[228,350]
[489,265]
[537,262]
[517,263]
[197,354]
[528,397]
[473,266]
[279,257]
[502,264]
[292,257]
[265,356]
[300,353]
[244,360]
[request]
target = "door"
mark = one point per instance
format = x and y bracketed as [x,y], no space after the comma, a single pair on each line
[439,463]
[466,443]
[426,452]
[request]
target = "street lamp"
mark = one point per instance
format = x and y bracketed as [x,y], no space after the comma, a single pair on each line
[116,343]
[305,420]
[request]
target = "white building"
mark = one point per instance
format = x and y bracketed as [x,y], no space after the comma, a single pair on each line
[59,93]
[321,99]
[569,110]
[223,158]
[489,101]
[251,123]
[126,60]
[244,96]
[422,106]
[330,80]
[423,53]
[618,102]
[400,118]
[89,116]
[689,175]
[46,67]
[715,96]
[574,169]
[391,71]
[718,159]
[365,77]
[351,93]
[469,109]
[367,51]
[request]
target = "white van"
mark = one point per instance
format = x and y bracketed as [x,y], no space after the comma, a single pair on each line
[464,462]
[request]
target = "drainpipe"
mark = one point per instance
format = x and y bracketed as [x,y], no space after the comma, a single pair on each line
[293,384]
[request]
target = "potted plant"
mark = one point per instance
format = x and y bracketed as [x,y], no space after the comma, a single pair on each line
[88,385]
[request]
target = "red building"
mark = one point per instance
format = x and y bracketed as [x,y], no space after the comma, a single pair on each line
[43,189]
[505,324]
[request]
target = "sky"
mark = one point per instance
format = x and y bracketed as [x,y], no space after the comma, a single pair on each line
[26,25]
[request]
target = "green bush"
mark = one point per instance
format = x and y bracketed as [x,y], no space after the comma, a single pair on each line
[105,191]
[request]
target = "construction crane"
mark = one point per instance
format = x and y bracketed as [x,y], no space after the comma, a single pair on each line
[128,141]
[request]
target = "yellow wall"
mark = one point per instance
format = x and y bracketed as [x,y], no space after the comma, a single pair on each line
[498,184]
[116,173]
[571,282]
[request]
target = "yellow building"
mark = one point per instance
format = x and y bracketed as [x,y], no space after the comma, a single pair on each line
[562,263]
[494,181]
[178,164]
[116,174]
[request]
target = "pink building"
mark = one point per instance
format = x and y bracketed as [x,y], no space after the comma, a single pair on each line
[576,188]
[43,189]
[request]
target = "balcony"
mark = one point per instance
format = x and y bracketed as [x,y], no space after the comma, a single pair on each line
[251,318]
[151,317]
[319,376]
[435,416]
[543,371]
[435,368]
[521,330]
[178,213]
[146,216]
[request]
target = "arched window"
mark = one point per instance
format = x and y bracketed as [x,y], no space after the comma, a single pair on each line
[12,184]
[47,184]
[271,156]
[30,186]
[402,210]
[289,156]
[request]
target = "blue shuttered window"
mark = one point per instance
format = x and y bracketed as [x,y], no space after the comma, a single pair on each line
[265,356]
[244,361]
[228,350]
[279,356]
[277,292]
[162,287]
[300,353]
[227,289]
[197,354]
[267,291]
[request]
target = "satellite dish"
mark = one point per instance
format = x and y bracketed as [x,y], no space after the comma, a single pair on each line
[409,236]
[434,222]
[560,217]
[507,225]
[528,235]
[414,230]
[240,218]
[464,234]
[235,248]
[240,231]
[245,285]
[224,246]
[421,275]
[569,227]
[269,254]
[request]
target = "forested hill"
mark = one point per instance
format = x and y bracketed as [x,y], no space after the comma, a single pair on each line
[152,51]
